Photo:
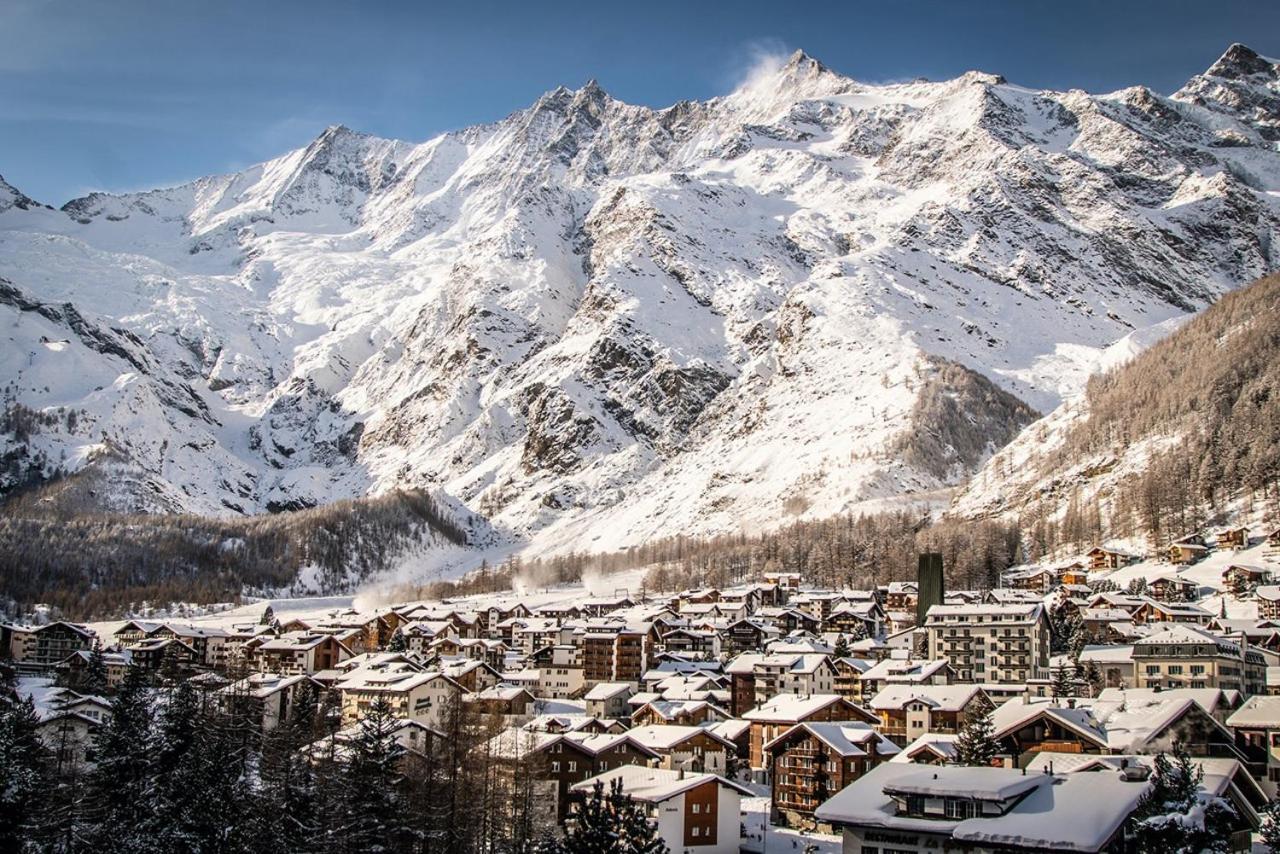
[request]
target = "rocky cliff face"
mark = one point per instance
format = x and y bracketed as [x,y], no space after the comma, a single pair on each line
[596,323]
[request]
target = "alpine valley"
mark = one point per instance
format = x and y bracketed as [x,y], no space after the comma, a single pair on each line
[593,324]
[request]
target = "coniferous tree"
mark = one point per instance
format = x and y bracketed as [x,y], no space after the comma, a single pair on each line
[842,647]
[398,642]
[976,744]
[1176,816]
[120,787]
[1270,829]
[95,674]
[374,816]
[24,775]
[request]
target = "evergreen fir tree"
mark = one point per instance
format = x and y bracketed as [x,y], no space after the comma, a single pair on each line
[639,834]
[122,798]
[398,642]
[1176,816]
[286,803]
[842,647]
[1270,829]
[1063,683]
[976,745]
[375,815]
[95,675]
[593,829]
[24,777]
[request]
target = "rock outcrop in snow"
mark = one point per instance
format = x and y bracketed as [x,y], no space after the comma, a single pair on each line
[596,323]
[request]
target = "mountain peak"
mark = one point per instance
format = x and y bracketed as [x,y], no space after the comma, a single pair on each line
[1240,61]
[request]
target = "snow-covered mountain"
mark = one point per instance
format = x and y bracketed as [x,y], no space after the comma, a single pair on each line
[595,323]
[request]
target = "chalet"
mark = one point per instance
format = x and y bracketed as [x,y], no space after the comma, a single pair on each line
[692,812]
[609,700]
[848,677]
[1153,611]
[810,762]
[688,748]
[414,737]
[1073,573]
[268,699]
[1273,544]
[296,652]
[747,635]
[1233,538]
[859,619]
[1172,588]
[901,596]
[559,761]
[681,712]
[160,653]
[1184,554]
[1242,578]
[787,582]
[780,713]
[930,749]
[904,807]
[1039,580]
[510,702]
[69,735]
[906,671]
[1103,559]
[559,672]
[788,620]
[116,663]
[693,642]
[908,711]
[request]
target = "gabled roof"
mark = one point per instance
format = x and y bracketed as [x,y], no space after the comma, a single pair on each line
[656,785]
[794,708]
[847,738]
[942,698]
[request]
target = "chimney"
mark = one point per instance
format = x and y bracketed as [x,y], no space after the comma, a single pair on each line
[680,775]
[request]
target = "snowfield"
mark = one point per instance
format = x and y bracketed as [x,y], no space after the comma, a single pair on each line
[596,323]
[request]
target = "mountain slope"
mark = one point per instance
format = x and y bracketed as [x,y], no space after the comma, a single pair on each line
[1182,433]
[597,323]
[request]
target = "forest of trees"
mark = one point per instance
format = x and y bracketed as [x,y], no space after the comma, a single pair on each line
[1212,388]
[172,770]
[841,551]
[102,564]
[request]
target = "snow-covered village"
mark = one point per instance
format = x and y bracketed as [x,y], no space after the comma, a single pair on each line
[691,429]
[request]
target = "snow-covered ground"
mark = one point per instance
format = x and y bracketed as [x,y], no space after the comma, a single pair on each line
[777,839]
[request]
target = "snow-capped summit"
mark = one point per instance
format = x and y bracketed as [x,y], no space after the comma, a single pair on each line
[596,323]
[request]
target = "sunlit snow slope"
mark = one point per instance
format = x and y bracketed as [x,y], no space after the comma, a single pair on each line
[596,323]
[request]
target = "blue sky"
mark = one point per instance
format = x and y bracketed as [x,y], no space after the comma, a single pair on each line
[126,94]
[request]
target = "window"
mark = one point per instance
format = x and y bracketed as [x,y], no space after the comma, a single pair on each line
[555,767]
[573,766]
[697,808]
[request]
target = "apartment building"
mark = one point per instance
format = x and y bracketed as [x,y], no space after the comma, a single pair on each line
[1185,656]
[996,644]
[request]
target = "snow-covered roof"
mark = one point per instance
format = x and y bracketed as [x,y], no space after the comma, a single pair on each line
[1257,711]
[655,785]
[941,744]
[1051,812]
[847,738]
[608,690]
[668,736]
[942,698]
[792,708]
